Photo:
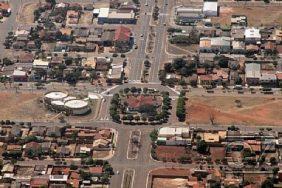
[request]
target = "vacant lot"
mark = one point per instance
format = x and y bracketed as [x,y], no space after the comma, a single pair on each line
[224,110]
[21,106]
[257,15]
[169,182]
[26,106]
[86,18]
[172,153]
[26,13]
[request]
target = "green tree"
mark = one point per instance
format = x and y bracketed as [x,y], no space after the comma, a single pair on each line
[154,135]
[268,183]
[202,147]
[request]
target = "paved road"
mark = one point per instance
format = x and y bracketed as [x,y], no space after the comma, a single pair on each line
[159,47]
[136,63]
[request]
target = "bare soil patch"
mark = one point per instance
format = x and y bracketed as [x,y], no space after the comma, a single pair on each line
[21,106]
[254,110]
[169,182]
[26,106]
[257,15]
[25,14]
[86,18]
[172,153]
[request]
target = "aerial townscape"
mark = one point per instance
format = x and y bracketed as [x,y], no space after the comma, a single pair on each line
[140,93]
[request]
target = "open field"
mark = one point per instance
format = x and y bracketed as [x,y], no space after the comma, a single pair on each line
[21,106]
[26,106]
[26,13]
[257,15]
[169,177]
[224,110]
[169,182]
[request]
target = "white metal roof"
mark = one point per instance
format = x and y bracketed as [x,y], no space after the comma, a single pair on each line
[76,104]
[210,6]
[57,103]
[103,13]
[19,73]
[56,95]
[39,62]
[252,33]
[252,70]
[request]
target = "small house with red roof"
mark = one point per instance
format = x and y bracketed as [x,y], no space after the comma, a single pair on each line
[37,182]
[123,39]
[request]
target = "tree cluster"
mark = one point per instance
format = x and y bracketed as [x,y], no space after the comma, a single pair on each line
[180,108]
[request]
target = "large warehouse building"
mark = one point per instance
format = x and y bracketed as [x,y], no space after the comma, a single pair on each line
[109,16]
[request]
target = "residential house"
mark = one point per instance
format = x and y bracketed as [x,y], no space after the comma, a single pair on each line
[96,171]
[252,73]
[54,131]
[239,20]
[107,38]
[40,64]
[268,79]
[279,78]
[101,144]
[38,131]
[19,76]
[122,39]
[38,182]
[115,74]
[16,131]
[215,44]
[252,36]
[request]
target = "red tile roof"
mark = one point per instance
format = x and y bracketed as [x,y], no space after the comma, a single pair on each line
[279,76]
[141,100]
[122,34]
[38,182]
[96,170]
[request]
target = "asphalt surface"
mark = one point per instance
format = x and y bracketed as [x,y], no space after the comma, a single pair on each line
[143,164]
[141,38]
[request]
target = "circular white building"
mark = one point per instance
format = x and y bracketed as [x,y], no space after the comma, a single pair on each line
[58,105]
[77,107]
[54,96]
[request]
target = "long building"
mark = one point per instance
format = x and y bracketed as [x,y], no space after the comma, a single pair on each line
[109,16]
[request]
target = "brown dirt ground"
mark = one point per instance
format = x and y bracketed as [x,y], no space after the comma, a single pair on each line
[254,110]
[25,106]
[86,18]
[169,182]
[26,13]
[171,172]
[20,106]
[170,153]
[257,15]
